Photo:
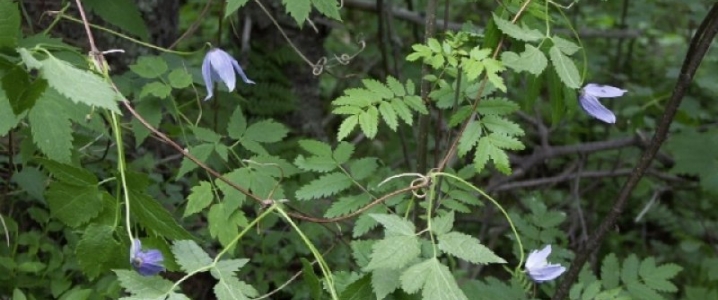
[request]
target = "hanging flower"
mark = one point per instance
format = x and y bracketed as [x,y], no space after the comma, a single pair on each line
[589,101]
[539,269]
[147,263]
[220,66]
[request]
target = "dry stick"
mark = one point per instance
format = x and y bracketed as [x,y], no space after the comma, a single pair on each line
[423,143]
[452,149]
[699,46]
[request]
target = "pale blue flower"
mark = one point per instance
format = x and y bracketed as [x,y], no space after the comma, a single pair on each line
[539,269]
[589,100]
[147,263]
[220,66]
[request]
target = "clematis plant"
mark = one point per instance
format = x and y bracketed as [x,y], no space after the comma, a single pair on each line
[147,263]
[589,101]
[538,267]
[220,66]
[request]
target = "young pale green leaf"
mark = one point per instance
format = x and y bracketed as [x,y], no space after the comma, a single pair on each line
[532,60]
[9,24]
[316,147]
[96,247]
[520,33]
[379,89]
[369,122]
[73,205]
[157,89]
[179,79]
[233,6]
[343,152]
[227,267]
[415,103]
[190,256]
[347,127]
[413,278]
[385,282]
[199,199]
[329,8]
[565,68]
[324,186]
[442,224]
[493,68]
[237,124]
[143,287]
[472,68]
[346,205]
[396,87]
[469,138]
[481,155]
[610,271]
[298,9]
[497,106]
[389,115]
[121,13]
[566,46]
[266,131]
[500,159]
[402,111]
[149,67]
[358,97]
[467,248]
[393,252]
[395,225]
[501,125]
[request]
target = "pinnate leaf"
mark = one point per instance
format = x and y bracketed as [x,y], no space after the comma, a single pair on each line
[393,252]
[434,279]
[520,33]
[190,256]
[324,186]
[393,224]
[467,248]
[51,127]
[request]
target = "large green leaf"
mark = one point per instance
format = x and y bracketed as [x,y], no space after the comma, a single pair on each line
[96,247]
[565,68]
[51,128]
[9,23]
[393,252]
[73,205]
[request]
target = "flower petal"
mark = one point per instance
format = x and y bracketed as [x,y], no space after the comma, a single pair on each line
[594,108]
[546,273]
[207,76]
[222,65]
[239,70]
[603,91]
[537,258]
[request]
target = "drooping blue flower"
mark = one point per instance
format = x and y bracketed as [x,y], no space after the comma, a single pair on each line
[147,263]
[589,100]
[538,267]
[220,66]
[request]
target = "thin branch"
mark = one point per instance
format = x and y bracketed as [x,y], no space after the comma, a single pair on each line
[700,44]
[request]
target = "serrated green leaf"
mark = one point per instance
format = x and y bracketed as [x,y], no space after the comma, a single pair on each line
[389,115]
[149,67]
[151,111]
[68,174]
[200,197]
[206,135]
[369,122]
[361,251]
[385,281]
[378,88]
[95,248]
[393,252]
[657,278]
[396,87]
[359,290]
[142,286]
[324,186]
[503,141]
[233,6]
[442,224]
[121,13]
[566,46]
[532,60]
[481,155]
[51,128]
[200,152]
[229,289]
[179,78]
[363,224]
[467,248]
[402,111]
[520,33]
[157,89]
[610,271]
[640,291]
[154,217]
[237,124]
[343,152]
[493,69]
[223,224]
[415,103]
[316,147]
[227,267]
[460,115]
[346,205]
[73,205]
[329,8]
[629,271]
[358,97]
[321,164]
[434,279]
[298,9]
[8,120]
[395,225]
[413,278]
[9,24]
[497,106]
[190,256]
[565,68]
[21,91]
[363,168]
[347,127]
[469,138]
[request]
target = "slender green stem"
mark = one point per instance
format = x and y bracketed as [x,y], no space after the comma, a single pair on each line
[432,194]
[496,203]
[121,168]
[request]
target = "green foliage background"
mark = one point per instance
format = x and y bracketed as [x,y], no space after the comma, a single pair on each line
[448,157]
